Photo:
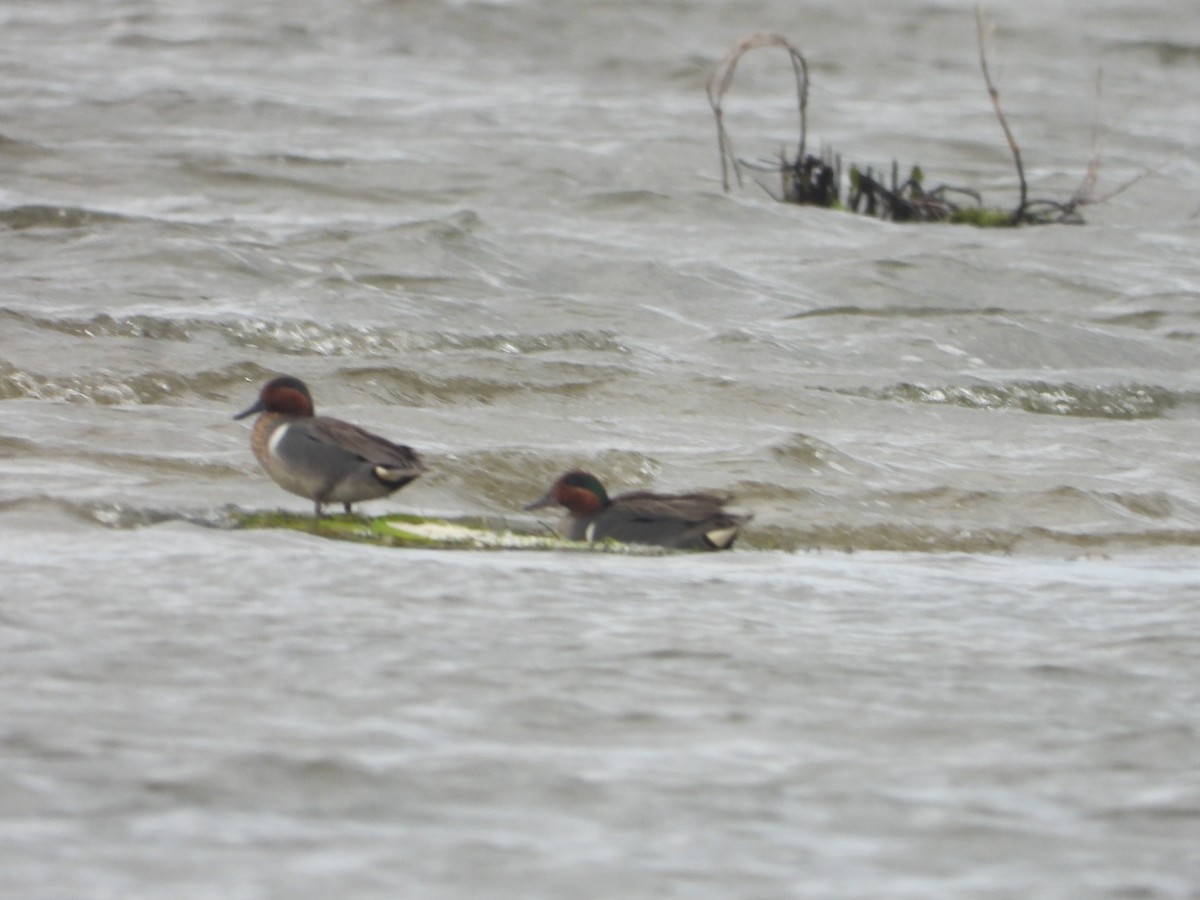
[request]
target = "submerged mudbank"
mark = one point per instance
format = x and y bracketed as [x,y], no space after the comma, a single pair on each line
[892,536]
[398,530]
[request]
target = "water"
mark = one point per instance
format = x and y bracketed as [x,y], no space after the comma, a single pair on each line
[956,653]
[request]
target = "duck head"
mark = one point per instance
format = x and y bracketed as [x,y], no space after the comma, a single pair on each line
[284,394]
[580,492]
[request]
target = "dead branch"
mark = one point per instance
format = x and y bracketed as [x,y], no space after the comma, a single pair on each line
[1088,184]
[722,77]
[817,180]
[1040,211]
[1085,193]
[1019,212]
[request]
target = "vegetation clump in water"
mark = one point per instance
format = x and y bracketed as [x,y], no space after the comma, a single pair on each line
[811,180]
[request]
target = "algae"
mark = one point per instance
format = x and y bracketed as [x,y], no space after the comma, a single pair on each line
[414,531]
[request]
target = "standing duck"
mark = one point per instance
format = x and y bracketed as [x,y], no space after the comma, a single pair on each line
[326,460]
[679,521]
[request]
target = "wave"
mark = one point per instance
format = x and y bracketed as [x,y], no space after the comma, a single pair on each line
[306,337]
[20,218]
[1168,53]
[1121,401]
[111,389]
[899,312]
[407,387]
[901,534]
[912,538]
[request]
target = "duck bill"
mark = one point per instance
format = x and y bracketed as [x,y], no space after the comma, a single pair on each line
[548,500]
[257,407]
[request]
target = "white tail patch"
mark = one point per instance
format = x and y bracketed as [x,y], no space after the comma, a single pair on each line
[722,537]
[388,473]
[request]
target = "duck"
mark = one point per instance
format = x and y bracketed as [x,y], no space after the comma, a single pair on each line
[694,521]
[321,458]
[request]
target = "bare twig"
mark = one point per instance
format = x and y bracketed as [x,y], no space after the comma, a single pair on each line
[1085,194]
[721,78]
[1019,212]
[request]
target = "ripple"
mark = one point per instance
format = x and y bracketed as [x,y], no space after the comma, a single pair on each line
[511,477]
[103,325]
[11,146]
[1168,53]
[808,452]
[333,783]
[98,388]
[899,312]
[504,481]
[1129,401]
[111,389]
[36,216]
[902,537]
[410,387]
[909,537]
[307,337]
[402,385]
[123,516]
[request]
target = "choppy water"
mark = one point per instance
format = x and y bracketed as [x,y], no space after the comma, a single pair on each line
[957,653]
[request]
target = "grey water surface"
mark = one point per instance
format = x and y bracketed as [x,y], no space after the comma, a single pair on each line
[956,654]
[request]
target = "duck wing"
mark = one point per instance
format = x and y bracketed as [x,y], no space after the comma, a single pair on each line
[695,507]
[686,521]
[367,447]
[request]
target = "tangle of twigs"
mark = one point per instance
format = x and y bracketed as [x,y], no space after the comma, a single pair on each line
[817,180]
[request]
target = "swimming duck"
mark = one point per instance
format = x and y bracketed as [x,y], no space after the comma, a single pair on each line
[680,521]
[326,460]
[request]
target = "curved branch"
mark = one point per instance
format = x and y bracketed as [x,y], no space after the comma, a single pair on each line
[722,77]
